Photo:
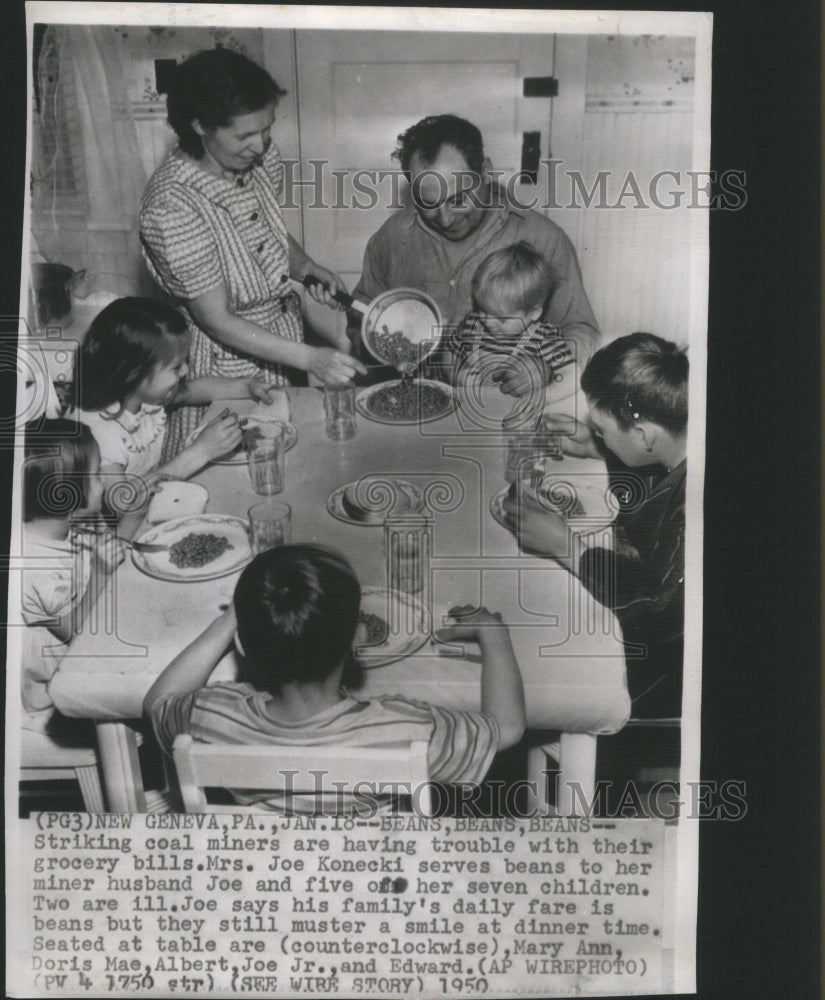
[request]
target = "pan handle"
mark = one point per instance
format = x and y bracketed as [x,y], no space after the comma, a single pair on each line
[342,297]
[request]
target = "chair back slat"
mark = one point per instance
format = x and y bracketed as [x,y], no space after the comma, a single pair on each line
[400,769]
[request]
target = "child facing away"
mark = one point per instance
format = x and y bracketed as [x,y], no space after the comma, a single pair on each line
[68,553]
[504,335]
[295,615]
[131,366]
[637,393]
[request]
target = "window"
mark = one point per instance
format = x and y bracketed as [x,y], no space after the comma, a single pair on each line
[58,179]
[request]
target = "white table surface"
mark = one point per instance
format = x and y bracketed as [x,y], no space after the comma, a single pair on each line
[568,647]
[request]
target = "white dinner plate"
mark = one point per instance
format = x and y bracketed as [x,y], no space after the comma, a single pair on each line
[572,496]
[238,456]
[160,565]
[364,399]
[409,626]
[335,504]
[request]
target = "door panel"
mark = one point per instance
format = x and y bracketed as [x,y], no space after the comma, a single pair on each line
[357,91]
[624,104]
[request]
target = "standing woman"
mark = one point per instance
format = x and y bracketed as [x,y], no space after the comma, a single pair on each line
[213,236]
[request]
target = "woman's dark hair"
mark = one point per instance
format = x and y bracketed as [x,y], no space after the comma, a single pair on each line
[56,468]
[298,609]
[212,87]
[428,136]
[125,342]
[642,377]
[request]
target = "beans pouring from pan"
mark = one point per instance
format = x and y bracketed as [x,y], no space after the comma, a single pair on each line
[399,351]
[401,327]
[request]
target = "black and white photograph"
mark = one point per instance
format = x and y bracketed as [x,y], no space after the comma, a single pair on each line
[357,569]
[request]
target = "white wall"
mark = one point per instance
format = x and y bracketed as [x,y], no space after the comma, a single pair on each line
[624,105]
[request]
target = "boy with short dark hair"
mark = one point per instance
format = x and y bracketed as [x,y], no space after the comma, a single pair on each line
[295,614]
[637,393]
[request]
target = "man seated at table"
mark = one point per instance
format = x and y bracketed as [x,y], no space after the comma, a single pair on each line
[459,215]
[295,613]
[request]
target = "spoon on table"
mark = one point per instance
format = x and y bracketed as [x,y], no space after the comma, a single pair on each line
[142,546]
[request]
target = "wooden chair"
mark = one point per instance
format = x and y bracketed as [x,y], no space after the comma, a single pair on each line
[42,758]
[572,758]
[45,758]
[308,770]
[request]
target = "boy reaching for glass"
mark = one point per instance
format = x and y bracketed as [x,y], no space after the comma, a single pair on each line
[295,613]
[636,390]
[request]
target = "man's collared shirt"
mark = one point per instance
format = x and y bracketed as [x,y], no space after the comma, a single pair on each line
[405,253]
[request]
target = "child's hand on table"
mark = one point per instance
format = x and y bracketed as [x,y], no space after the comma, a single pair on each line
[109,552]
[191,668]
[521,375]
[502,690]
[470,623]
[538,529]
[221,434]
[153,482]
[259,390]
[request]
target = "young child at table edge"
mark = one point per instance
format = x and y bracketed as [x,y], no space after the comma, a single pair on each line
[636,389]
[69,550]
[295,614]
[504,335]
[131,365]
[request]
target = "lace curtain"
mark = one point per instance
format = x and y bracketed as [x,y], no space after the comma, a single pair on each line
[87,173]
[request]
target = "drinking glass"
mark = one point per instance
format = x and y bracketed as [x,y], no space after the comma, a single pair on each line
[339,407]
[270,524]
[265,457]
[523,449]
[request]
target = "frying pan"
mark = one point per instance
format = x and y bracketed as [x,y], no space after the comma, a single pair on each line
[405,311]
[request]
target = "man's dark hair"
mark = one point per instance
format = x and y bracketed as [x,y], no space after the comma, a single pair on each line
[640,377]
[298,607]
[428,136]
[212,87]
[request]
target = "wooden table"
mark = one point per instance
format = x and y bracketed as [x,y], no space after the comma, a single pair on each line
[568,646]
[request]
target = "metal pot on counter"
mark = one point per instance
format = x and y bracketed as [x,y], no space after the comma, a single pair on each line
[51,291]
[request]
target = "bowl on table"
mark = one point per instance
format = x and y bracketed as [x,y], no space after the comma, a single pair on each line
[371,499]
[576,498]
